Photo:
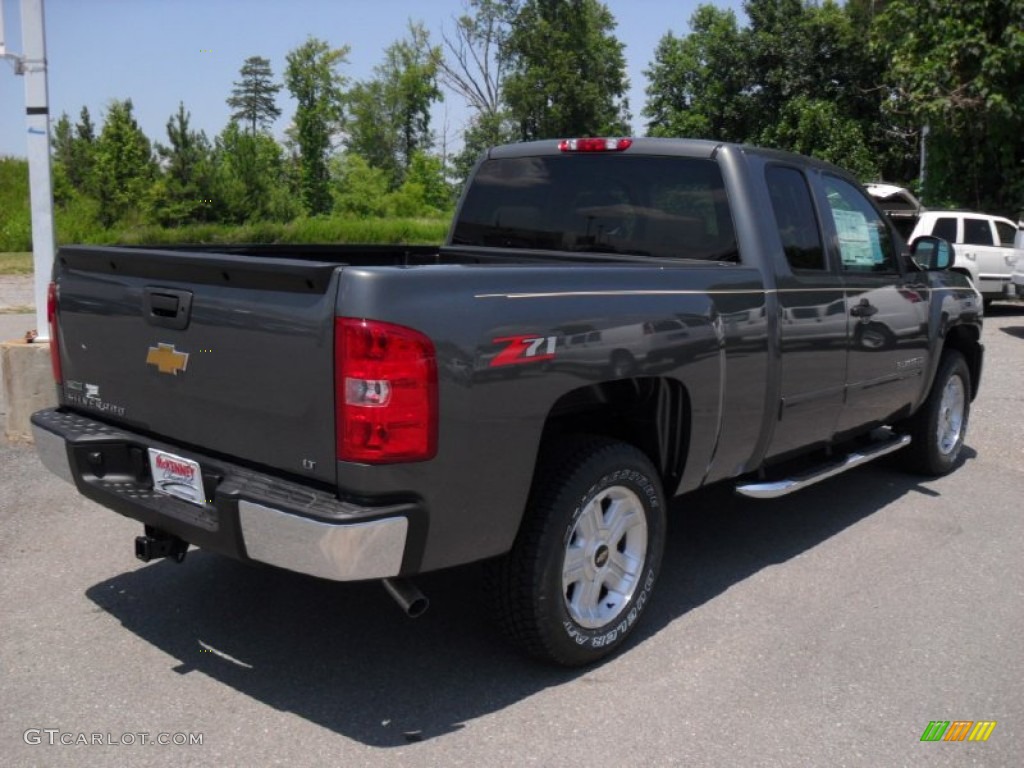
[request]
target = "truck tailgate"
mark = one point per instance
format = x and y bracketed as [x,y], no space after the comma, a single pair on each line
[230,353]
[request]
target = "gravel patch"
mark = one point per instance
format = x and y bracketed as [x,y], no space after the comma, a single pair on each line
[17,292]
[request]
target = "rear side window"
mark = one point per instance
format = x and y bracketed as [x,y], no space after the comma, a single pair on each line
[669,207]
[1007,232]
[794,216]
[945,227]
[977,232]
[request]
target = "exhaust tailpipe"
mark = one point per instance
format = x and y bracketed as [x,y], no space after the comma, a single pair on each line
[408,597]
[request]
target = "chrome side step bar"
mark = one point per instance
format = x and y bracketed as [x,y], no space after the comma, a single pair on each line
[777,488]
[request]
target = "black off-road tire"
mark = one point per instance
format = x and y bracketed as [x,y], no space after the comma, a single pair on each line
[937,441]
[581,484]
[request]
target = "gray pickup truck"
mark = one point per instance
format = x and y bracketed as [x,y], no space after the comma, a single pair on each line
[611,323]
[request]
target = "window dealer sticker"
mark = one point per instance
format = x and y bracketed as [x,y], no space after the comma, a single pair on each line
[176,476]
[858,242]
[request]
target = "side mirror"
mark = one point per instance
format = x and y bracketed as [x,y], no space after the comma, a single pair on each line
[932,253]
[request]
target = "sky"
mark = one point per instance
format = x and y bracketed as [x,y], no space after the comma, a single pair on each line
[160,52]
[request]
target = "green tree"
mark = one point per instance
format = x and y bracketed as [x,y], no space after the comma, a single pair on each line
[390,114]
[359,189]
[959,69]
[800,77]
[474,65]
[73,146]
[567,72]
[124,165]
[484,130]
[699,83]
[370,131]
[63,137]
[475,59]
[73,152]
[815,50]
[83,153]
[817,128]
[426,182]
[62,145]
[315,84]
[253,99]
[250,179]
[16,221]
[184,192]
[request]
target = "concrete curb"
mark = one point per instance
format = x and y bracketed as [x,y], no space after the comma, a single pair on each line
[27,385]
[26,382]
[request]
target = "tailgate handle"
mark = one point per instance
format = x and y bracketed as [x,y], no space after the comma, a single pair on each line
[167,307]
[164,305]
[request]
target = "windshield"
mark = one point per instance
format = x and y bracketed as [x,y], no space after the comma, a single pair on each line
[670,207]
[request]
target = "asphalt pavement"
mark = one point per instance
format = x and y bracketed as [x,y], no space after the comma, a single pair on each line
[824,629]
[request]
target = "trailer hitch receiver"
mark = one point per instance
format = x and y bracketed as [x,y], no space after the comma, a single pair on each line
[157,544]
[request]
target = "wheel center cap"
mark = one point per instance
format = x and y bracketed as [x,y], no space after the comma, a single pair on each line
[601,556]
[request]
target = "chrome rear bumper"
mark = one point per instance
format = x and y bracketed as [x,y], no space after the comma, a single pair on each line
[251,515]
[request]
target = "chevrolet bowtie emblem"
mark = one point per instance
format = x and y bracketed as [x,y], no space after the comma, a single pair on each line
[167,359]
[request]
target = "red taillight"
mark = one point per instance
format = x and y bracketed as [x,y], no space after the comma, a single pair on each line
[51,320]
[385,383]
[595,145]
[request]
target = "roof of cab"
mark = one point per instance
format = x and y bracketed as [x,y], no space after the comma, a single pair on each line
[699,148]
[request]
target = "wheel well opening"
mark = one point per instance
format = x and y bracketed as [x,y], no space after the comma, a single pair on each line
[964,339]
[650,413]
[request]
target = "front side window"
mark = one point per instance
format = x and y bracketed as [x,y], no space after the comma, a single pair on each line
[668,207]
[865,242]
[977,231]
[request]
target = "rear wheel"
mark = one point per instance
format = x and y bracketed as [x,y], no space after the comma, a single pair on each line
[939,427]
[584,564]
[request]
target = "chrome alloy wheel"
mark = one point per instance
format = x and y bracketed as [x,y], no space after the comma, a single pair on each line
[604,557]
[951,415]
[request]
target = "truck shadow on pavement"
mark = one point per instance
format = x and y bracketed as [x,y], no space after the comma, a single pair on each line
[344,657]
[1005,309]
[1008,309]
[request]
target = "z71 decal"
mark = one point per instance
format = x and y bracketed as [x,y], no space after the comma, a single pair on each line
[524,349]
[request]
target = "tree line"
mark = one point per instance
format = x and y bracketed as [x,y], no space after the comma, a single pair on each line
[858,83]
[861,84]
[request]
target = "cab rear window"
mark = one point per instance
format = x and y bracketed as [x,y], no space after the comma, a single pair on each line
[668,207]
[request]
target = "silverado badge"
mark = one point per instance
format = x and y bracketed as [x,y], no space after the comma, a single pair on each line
[167,359]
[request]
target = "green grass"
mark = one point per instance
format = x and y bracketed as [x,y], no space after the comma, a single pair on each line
[316,230]
[17,263]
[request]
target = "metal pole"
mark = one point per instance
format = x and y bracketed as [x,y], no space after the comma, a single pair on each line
[37,112]
[925,130]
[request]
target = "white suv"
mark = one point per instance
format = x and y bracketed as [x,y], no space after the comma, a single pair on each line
[1018,272]
[984,247]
